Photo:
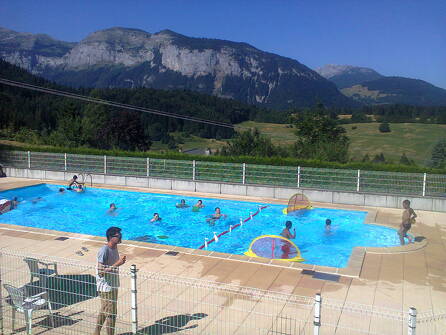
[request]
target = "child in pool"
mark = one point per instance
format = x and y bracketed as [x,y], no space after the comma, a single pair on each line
[197,206]
[155,218]
[216,216]
[182,204]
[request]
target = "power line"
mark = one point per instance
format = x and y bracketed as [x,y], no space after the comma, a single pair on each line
[112,103]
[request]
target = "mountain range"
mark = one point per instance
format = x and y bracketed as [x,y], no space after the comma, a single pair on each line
[122,57]
[367,86]
[130,58]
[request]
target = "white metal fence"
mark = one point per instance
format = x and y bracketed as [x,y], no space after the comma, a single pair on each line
[418,184]
[156,303]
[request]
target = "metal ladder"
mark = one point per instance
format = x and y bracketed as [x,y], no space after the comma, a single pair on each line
[84,176]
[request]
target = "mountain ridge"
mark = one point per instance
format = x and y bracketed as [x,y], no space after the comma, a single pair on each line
[127,57]
[367,86]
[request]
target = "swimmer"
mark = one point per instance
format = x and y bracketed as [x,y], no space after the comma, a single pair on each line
[79,188]
[199,204]
[72,182]
[14,203]
[112,209]
[61,190]
[217,215]
[182,204]
[286,231]
[328,225]
[155,218]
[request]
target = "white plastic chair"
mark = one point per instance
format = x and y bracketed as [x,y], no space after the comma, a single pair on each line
[41,273]
[26,305]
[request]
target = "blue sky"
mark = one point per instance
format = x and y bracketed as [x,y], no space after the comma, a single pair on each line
[401,37]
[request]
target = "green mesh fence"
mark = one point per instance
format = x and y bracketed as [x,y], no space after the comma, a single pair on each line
[47,161]
[287,176]
[225,172]
[168,168]
[126,166]
[329,179]
[271,175]
[436,185]
[85,163]
[391,182]
[16,159]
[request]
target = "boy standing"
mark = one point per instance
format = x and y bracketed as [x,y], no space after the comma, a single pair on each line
[107,280]
[407,220]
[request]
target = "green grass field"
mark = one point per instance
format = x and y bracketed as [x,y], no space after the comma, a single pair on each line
[416,140]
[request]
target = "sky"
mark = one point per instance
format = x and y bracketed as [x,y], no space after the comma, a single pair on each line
[396,38]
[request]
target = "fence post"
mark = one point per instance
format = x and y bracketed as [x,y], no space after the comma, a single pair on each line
[29,160]
[424,184]
[193,169]
[1,298]
[134,301]
[358,180]
[105,164]
[148,167]
[298,177]
[244,174]
[412,325]
[317,313]
[65,161]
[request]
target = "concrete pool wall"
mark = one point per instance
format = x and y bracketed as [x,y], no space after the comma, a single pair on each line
[435,204]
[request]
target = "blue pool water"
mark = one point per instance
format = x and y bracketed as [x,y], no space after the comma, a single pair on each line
[86,214]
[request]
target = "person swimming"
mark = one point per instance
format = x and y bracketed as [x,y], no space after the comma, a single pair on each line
[286,231]
[216,216]
[155,218]
[328,225]
[61,190]
[80,188]
[199,204]
[112,209]
[14,202]
[182,204]
[72,182]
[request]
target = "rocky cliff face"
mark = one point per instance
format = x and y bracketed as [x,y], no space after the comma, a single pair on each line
[120,57]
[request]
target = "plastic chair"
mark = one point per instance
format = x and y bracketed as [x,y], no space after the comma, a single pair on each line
[26,305]
[41,274]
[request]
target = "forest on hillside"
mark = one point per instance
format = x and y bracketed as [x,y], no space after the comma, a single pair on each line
[36,117]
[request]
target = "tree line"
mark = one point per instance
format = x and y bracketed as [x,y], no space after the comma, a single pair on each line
[40,118]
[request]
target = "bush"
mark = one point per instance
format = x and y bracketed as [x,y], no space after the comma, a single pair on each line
[384,127]
[379,158]
[27,135]
[404,160]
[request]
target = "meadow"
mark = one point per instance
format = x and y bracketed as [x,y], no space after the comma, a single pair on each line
[416,140]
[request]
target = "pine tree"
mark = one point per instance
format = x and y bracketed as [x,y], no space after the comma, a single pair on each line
[404,160]
[438,158]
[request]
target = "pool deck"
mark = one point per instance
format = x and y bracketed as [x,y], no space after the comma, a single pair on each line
[397,278]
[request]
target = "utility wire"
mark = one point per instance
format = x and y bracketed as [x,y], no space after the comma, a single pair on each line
[113,104]
[121,105]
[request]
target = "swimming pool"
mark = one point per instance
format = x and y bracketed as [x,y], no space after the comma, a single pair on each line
[85,213]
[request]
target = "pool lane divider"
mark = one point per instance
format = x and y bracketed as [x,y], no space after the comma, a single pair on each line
[216,237]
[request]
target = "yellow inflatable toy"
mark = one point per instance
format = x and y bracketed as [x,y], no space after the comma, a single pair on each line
[274,247]
[296,203]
